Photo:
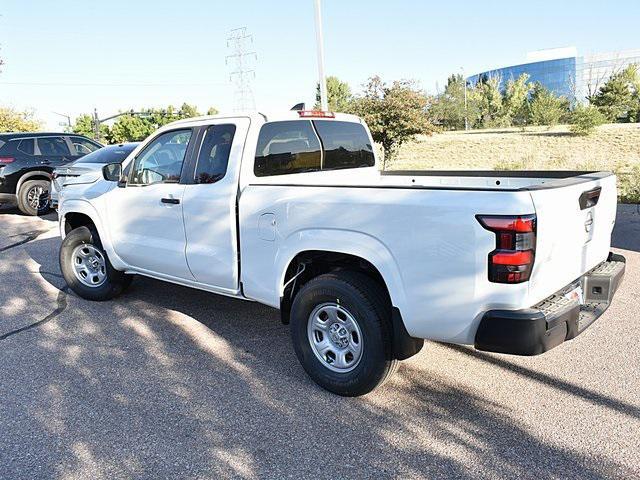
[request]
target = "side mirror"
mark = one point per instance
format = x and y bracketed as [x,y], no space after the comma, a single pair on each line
[112,172]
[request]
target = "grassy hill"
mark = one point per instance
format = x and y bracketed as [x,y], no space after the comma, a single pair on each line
[613,147]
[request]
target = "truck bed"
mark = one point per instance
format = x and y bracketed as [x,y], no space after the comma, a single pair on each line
[420,230]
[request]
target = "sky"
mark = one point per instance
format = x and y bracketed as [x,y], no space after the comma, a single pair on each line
[70,57]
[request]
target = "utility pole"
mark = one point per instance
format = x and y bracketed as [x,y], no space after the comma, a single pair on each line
[241,75]
[96,125]
[322,80]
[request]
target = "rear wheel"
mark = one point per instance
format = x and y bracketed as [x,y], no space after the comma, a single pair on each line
[33,197]
[341,332]
[87,269]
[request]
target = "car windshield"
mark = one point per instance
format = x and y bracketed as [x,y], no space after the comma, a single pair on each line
[109,154]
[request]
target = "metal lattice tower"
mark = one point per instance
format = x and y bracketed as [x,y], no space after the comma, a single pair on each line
[241,74]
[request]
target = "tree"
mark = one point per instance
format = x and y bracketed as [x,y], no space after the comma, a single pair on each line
[515,104]
[132,128]
[83,125]
[212,111]
[545,108]
[488,96]
[12,120]
[585,119]
[618,98]
[448,108]
[395,114]
[338,95]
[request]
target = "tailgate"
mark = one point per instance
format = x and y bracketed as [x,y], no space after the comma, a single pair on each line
[574,225]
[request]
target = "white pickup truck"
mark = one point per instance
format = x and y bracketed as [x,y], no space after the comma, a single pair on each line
[290,210]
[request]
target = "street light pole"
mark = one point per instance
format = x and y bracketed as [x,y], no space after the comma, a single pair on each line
[68,117]
[466,117]
[321,77]
[97,120]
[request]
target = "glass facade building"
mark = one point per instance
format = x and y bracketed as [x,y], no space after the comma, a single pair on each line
[572,77]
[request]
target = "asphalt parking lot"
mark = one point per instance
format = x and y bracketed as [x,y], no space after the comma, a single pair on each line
[168,382]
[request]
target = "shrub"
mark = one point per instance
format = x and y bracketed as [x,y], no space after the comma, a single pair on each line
[585,119]
[628,183]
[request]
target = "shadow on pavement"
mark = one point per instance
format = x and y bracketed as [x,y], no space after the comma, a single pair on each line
[585,393]
[626,233]
[173,382]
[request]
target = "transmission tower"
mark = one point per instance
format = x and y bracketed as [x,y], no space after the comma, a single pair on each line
[241,74]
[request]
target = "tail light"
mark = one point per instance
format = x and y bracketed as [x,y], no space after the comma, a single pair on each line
[315,114]
[512,260]
[6,160]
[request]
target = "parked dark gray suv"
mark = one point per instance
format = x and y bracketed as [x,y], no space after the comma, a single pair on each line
[27,161]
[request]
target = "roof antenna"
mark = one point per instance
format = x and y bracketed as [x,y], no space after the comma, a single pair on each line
[298,106]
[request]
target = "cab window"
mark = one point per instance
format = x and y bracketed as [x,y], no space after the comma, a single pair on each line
[214,153]
[345,145]
[161,161]
[287,147]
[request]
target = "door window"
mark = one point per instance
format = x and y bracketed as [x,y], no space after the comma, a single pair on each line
[83,146]
[214,154]
[53,146]
[161,161]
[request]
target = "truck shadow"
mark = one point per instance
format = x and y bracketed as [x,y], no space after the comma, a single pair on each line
[173,382]
[626,233]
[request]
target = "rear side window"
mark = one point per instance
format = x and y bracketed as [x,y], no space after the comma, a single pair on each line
[214,154]
[83,146]
[53,146]
[287,147]
[345,145]
[26,146]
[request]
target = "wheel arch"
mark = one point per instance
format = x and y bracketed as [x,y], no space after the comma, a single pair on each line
[321,252]
[76,213]
[372,255]
[33,175]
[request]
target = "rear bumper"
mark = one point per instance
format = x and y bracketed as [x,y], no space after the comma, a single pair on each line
[535,330]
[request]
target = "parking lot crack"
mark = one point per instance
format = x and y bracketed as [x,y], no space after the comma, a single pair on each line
[61,302]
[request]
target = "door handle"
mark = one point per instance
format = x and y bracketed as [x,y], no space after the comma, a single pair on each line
[589,198]
[172,201]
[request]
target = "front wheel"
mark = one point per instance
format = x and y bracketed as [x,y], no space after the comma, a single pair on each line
[87,269]
[341,332]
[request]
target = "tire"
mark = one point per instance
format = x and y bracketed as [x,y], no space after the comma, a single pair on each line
[343,297]
[97,279]
[29,205]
